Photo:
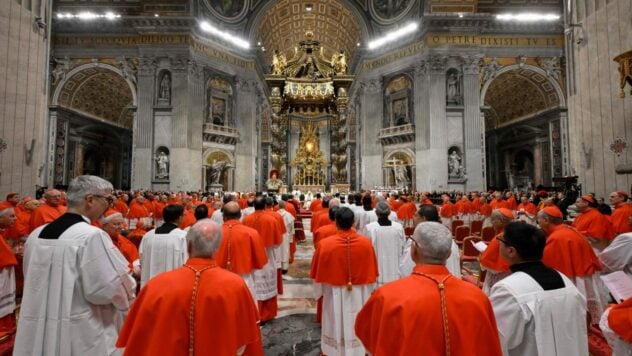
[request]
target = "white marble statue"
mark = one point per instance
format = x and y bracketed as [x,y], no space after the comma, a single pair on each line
[163,165]
[454,165]
[401,175]
[217,168]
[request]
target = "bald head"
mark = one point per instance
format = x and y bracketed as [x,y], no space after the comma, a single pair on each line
[231,211]
[203,239]
[52,197]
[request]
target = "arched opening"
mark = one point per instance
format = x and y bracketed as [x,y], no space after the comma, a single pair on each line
[523,114]
[93,113]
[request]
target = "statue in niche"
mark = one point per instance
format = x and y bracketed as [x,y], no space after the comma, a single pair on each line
[162,165]
[164,94]
[453,87]
[401,174]
[217,168]
[455,169]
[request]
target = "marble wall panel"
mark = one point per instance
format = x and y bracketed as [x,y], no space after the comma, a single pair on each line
[597,116]
[23,113]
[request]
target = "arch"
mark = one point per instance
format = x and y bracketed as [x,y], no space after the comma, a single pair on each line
[398,153]
[207,156]
[72,72]
[99,91]
[556,86]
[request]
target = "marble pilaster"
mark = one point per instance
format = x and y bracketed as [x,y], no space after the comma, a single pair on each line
[245,151]
[142,160]
[432,166]
[473,128]
[371,104]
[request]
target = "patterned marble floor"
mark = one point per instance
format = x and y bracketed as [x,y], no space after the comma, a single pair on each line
[294,331]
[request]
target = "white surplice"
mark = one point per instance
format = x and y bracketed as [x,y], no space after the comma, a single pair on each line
[618,256]
[533,321]
[77,291]
[340,308]
[7,290]
[161,253]
[619,346]
[388,242]
[288,220]
[453,263]
[266,278]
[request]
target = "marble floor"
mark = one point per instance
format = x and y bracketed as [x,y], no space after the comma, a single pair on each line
[294,331]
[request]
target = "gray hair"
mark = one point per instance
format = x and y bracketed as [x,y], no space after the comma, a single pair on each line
[86,185]
[382,209]
[107,219]
[335,202]
[281,204]
[434,242]
[204,238]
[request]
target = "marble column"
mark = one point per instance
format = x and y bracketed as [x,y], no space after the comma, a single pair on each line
[371,116]
[143,125]
[473,128]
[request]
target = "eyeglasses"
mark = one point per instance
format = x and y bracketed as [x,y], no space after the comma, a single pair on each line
[411,239]
[107,198]
[503,241]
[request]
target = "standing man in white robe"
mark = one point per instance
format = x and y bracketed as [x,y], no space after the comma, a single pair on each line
[453,263]
[388,240]
[77,286]
[618,255]
[539,311]
[288,219]
[164,248]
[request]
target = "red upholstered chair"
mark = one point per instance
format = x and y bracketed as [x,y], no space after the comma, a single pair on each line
[488,233]
[455,224]
[476,226]
[470,253]
[408,231]
[461,233]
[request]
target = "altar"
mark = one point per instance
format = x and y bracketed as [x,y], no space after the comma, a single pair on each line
[308,96]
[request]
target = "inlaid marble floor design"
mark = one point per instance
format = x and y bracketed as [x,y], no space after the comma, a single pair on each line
[294,331]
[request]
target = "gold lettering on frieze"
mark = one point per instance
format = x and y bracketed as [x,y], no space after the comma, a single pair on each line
[434,40]
[389,58]
[154,39]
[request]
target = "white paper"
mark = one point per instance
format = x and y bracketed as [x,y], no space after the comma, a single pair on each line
[480,246]
[619,285]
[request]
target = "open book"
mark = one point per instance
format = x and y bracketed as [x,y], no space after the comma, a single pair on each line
[619,285]
[480,246]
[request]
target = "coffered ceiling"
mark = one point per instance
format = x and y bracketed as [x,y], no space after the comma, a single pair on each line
[284,25]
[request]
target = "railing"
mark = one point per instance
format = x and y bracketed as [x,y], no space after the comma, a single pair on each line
[397,130]
[221,130]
